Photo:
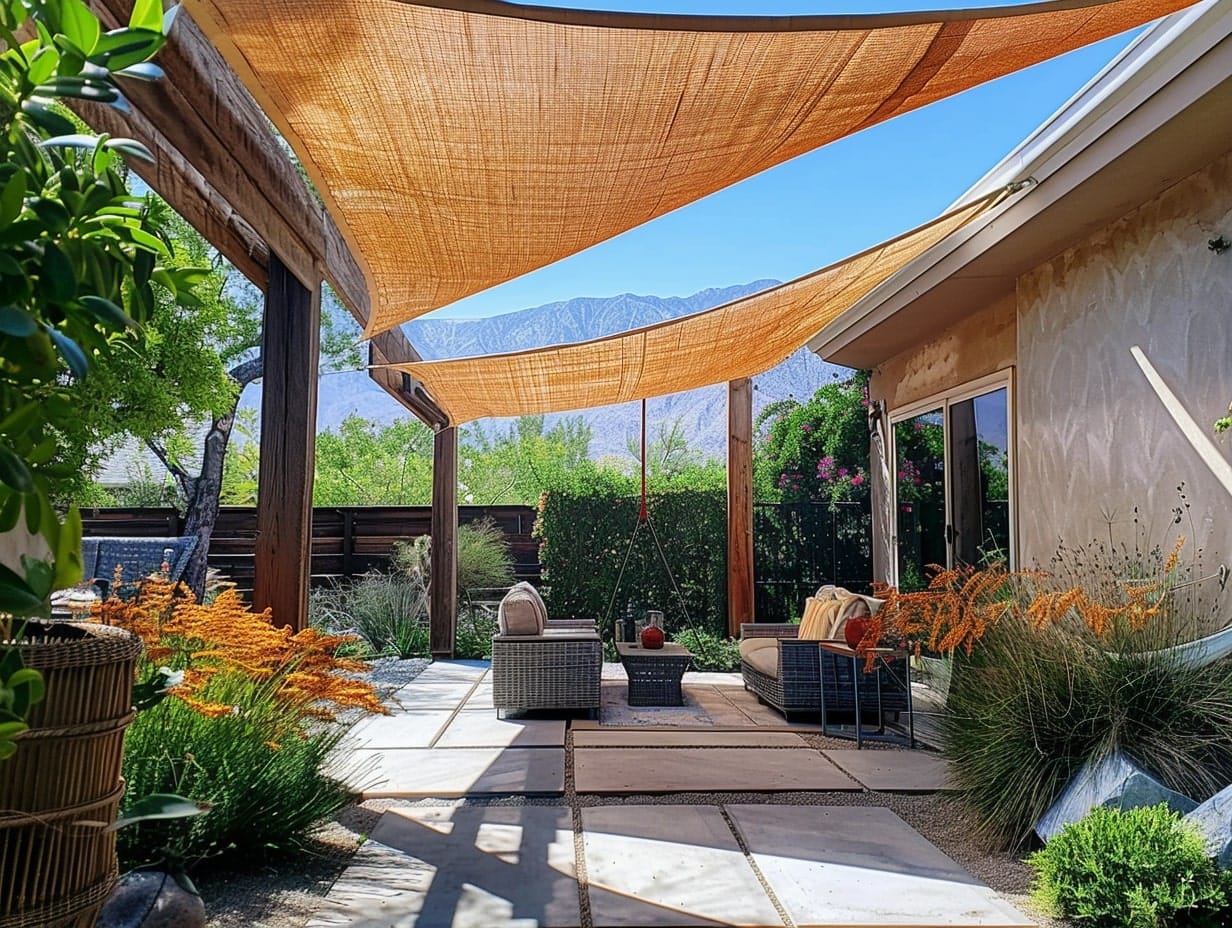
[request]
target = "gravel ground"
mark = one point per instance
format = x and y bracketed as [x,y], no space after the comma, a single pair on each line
[284,893]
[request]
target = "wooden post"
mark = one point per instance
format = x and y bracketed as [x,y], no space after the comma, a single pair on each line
[443,601]
[739,504]
[290,348]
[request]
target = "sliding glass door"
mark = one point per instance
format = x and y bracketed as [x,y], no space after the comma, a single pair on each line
[952,482]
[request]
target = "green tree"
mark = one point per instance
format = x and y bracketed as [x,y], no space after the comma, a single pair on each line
[517,464]
[179,393]
[668,451]
[818,449]
[364,463]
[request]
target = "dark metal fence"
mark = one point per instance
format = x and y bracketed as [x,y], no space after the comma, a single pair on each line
[799,546]
[346,541]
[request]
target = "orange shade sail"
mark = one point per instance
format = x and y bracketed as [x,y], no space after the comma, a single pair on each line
[739,339]
[462,143]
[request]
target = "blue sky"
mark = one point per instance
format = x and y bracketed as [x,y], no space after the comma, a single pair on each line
[819,207]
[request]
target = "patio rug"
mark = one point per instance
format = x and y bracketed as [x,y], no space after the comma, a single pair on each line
[711,700]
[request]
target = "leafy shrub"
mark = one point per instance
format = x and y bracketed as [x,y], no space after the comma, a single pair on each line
[390,612]
[584,528]
[1144,868]
[484,559]
[246,728]
[473,637]
[710,651]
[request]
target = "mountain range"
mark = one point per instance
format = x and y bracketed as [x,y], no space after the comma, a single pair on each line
[701,413]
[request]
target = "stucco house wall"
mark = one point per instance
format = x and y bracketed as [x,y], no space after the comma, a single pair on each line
[1094,438]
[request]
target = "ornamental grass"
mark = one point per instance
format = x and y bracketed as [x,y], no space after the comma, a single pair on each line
[248,726]
[1054,670]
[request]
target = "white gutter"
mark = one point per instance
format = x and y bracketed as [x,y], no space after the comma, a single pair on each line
[1154,59]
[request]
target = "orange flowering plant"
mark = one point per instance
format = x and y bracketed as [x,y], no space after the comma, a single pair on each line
[204,641]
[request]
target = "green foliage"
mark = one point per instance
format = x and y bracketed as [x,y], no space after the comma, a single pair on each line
[818,450]
[710,651]
[365,464]
[81,264]
[390,612]
[1143,868]
[262,776]
[473,638]
[514,466]
[585,525]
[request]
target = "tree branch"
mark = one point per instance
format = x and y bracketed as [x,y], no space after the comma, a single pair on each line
[246,372]
[178,473]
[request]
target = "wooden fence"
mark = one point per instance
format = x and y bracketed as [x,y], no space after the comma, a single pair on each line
[346,541]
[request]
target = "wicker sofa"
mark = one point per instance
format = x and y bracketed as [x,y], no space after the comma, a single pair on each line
[542,664]
[790,674]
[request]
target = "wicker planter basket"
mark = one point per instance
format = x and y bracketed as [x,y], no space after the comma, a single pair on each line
[62,787]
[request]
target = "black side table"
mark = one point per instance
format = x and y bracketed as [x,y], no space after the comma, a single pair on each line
[883,674]
[654,675]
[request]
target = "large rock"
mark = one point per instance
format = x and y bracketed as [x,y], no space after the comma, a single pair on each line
[1116,783]
[148,899]
[1214,818]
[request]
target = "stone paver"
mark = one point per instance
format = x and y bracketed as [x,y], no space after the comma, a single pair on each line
[485,730]
[466,867]
[669,865]
[481,698]
[417,728]
[848,865]
[896,771]
[453,672]
[684,738]
[655,770]
[459,771]
[416,695]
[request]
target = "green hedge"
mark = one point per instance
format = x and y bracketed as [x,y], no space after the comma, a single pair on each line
[584,531]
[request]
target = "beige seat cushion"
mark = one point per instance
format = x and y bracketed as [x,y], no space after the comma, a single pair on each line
[522,611]
[749,645]
[765,659]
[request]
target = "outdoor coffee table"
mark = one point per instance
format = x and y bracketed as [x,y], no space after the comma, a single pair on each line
[654,674]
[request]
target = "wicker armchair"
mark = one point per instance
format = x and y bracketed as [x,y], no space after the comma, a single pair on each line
[548,665]
[790,675]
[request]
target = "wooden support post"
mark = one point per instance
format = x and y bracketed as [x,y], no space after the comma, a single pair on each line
[290,349]
[443,601]
[739,504]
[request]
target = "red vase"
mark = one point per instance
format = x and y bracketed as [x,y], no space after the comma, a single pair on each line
[652,638]
[854,631]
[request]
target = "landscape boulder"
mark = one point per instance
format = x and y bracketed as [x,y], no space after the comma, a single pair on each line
[1214,818]
[150,899]
[1115,782]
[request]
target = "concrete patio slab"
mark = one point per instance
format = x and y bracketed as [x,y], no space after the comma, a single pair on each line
[655,770]
[683,738]
[847,865]
[418,772]
[416,695]
[481,698]
[669,865]
[896,771]
[454,672]
[417,728]
[485,730]
[467,867]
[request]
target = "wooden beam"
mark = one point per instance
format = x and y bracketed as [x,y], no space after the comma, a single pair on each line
[739,504]
[290,347]
[443,604]
[221,167]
